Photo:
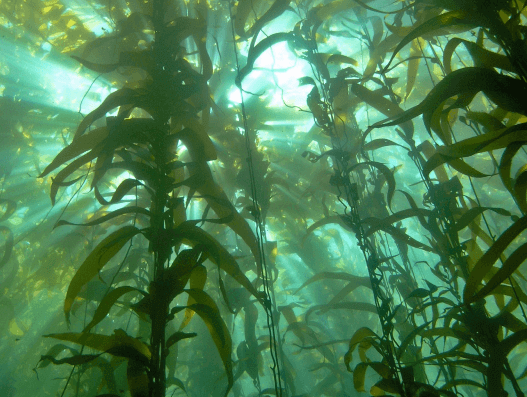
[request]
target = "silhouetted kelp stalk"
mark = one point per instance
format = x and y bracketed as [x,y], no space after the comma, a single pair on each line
[449,214]
[172,94]
[502,90]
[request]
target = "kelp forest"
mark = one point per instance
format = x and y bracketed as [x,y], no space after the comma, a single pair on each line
[263,198]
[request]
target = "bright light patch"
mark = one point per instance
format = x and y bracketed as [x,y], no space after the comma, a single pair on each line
[91,18]
[235,95]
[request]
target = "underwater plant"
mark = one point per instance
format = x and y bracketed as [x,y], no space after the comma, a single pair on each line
[263,164]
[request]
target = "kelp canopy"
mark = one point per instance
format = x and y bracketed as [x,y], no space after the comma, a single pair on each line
[263,198]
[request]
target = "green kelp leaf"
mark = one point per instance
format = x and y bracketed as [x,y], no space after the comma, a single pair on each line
[431,287]
[128,352]
[105,343]
[140,59]
[260,48]
[75,360]
[108,375]
[276,9]
[110,215]
[358,337]
[209,313]
[492,140]
[134,23]
[340,59]
[107,303]
[141,171]
[361,306]
[414,206]
[242,11]
[198,278]
[376,224]
[96,67]
[197,141]
[442,21]
[473,213]
[138,379]
[481,56]
[177,276]
[124,96]
[488,121]
[383,105]
[512,341]
[359,376]
[380,143]
[388,386]
[401,236]
[378,54]
[337,153]
[329,10]
[178,382]
[509,321]
[409,339]
[486,262]
[497,359]
[419,293]
[386,172]
[325,221]
[122,190]
[180,29]
[95,261]
[364,281]
[306,80]
[465,382]
[413,67]
[468,80]
[219,255]
[177,336]
[519,188]
[512,263]
[438,159]
[69,183]
[54,351]
[429,150]
[10,208]
[220,204]
[71,168]
[504,168]
[8,246]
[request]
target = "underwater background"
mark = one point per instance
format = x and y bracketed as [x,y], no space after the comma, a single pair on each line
[263,198]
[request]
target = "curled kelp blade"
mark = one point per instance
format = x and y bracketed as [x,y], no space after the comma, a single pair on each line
[481,56]
[442,21]
[486,262]
[384,170]
[358,337]
[258,49]
[109,344]
[95,261]
[139,59]
[505,91]
[107,303]
[209,313]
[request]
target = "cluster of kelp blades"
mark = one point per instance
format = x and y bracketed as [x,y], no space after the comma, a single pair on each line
[464,317]
[177,92]
[172,93]
[459,316]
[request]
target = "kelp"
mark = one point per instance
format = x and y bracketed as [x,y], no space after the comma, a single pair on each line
[442,261]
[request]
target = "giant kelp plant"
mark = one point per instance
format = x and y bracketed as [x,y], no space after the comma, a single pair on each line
[223,181]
